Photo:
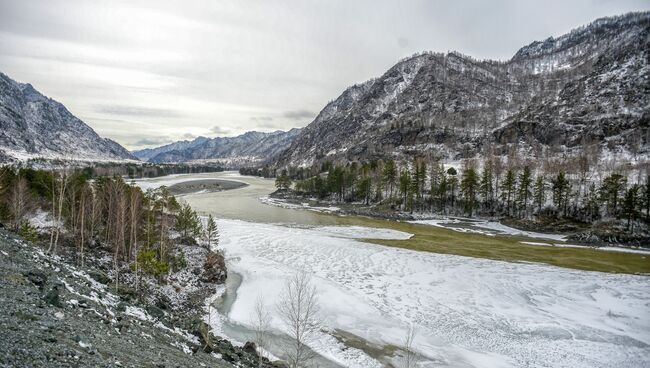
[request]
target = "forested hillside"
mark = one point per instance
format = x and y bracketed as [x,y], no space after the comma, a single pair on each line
[586,91]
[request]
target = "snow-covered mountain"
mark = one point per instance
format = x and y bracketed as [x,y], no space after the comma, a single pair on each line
[33,125]
[558,95]
[247,149]
[148,153]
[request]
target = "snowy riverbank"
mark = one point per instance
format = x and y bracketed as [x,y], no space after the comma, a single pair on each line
[466,311]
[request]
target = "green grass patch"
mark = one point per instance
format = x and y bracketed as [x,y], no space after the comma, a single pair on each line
[504,248]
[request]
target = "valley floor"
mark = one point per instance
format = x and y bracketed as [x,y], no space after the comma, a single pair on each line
[467,312]
[482,238]
[474,299]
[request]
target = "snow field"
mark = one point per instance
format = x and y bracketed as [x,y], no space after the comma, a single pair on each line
[467,312]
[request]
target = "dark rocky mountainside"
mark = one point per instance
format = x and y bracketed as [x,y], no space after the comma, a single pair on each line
[588,87]
[33,125]
[248,148]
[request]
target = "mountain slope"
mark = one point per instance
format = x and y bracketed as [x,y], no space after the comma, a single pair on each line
[590,85]
[32,125]
[248,148]
[147,153]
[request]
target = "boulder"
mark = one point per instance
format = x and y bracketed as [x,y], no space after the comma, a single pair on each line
[214,269]
[99,277]
[37,278]
[155,312]
[52,297]
[250,348]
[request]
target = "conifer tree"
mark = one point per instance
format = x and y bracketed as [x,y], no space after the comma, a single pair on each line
[525,181]
[539,192]
[646,198]
[508,189]
[487,185]
[468,187]
[452,182]
[211,232]
[630,203]
[187,221]
[561,189]
[612,189]
[405,186]
[389,176]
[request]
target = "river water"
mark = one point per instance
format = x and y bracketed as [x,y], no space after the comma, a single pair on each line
[467,312]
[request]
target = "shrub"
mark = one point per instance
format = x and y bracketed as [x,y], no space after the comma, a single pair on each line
[149,263]
[28,232]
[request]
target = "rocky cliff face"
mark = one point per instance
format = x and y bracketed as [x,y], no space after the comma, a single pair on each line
[32,125]
[588,86]
[248,148]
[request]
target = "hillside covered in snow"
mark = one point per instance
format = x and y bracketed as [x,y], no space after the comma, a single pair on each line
[246,149]
[35,126]
[587,88]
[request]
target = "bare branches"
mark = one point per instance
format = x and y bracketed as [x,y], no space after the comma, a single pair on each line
[409,354]
[59,187]
[19,202]
[261,326]
[298,308]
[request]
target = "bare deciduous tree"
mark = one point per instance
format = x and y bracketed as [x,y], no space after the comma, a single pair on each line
[409,354]
[19,202]
[298,308]
[261,326]
[59,187]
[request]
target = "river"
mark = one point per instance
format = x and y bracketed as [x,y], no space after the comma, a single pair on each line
[466,311]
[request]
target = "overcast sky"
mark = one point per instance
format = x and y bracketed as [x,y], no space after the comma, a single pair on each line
[146,73]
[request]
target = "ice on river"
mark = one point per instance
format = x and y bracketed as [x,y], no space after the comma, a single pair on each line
[485,227]
[467,312]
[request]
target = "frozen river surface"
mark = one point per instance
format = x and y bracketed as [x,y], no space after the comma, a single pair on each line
[467,312]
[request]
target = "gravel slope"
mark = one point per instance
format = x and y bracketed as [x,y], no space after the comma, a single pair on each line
[54,315]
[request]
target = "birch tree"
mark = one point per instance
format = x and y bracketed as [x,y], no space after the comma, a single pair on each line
[261,326]
[298,308]
[19,202]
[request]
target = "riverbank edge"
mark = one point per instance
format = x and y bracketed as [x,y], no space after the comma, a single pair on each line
[580,234]
[207,185]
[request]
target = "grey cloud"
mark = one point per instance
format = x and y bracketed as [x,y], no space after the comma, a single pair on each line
[269,125]
[261,118]
[220,130]
[136,111]
[196,63]
[298,114]
[152,141]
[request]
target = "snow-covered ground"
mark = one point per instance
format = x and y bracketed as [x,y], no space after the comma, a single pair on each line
[303,206]
[605,249]
[467,312]
[486,228]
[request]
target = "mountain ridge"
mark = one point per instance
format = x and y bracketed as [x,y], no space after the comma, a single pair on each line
[249,148]
[452,106]
[33,125]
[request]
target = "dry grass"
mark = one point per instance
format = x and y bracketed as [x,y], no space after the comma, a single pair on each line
[505,248]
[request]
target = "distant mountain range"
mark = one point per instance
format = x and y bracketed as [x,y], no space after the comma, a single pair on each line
[587,88]
[251,148]
[35,126]
[590,87]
